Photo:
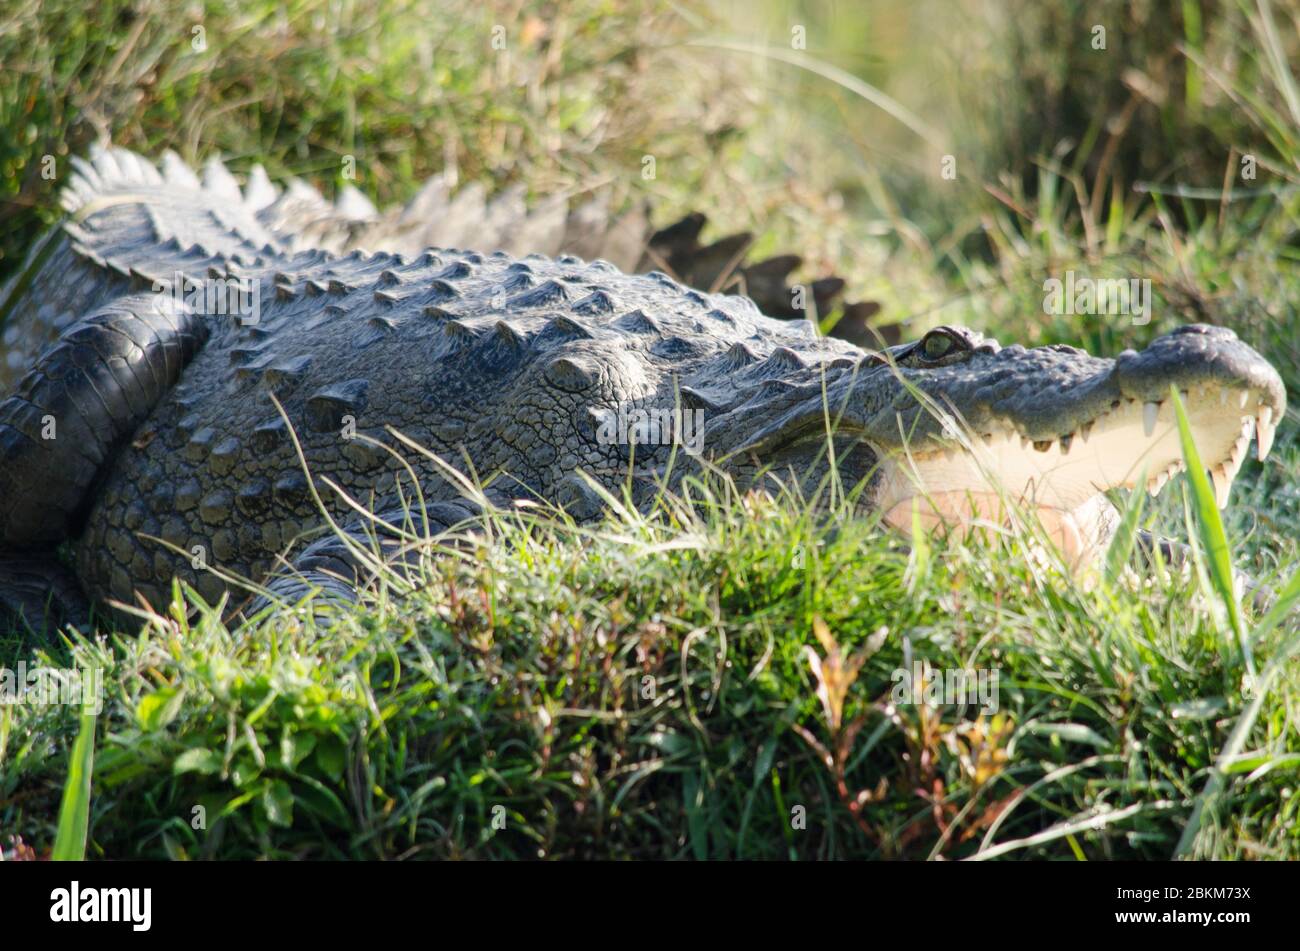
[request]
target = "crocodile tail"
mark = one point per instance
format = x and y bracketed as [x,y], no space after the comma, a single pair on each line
[72,410]
[441,215]
[128,225]
[444,216]
[723,266]
[168,204]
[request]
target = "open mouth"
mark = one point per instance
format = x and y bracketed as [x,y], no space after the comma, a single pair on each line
[1063,480]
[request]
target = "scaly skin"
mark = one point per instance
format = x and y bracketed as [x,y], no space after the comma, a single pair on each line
[516,388]
[523,372]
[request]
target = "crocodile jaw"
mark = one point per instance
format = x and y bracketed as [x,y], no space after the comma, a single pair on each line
[1064,480]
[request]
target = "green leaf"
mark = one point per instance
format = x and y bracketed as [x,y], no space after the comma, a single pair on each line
[157,709]
[319,800]
[238,802]
[1214,540]
[74,812]
[295,747]
[669,742]
[1202,708]
[763,762]
[918,561]
[244,772]
[1071,733]
[330,756]
[1245,763]
[277,800]
[198,760]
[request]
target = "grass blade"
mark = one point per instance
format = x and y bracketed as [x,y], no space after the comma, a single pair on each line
[1214,539]
[1286,600]
[74,812]
[1240,730]
[1121,545]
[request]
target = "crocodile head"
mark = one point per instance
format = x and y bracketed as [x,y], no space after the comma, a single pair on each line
[957,425]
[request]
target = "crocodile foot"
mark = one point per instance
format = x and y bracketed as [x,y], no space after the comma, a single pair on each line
[339,566]
[39,594]
[1176,555]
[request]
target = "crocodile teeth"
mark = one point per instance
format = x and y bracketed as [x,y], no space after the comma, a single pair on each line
[1265,430]
[1150,413]
[1242,397]
[1247,433]
[1084,432]
[1222,486]
[1232,465]
[1156,483]
[1237,455]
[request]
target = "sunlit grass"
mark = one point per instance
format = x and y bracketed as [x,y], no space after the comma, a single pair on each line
[644,688]
[713,679]
[74,813]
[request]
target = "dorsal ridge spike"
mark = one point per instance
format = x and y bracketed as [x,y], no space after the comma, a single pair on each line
[459,330]
[784,356]
[506,334]
[597,302]
[638,322]
[739,355]
[442,290]
[569,327]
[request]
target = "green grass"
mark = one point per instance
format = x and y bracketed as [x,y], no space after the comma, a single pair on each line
[714,679]
[648,689]
[74,813]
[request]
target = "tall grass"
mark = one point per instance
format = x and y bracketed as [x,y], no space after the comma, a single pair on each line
[714,678]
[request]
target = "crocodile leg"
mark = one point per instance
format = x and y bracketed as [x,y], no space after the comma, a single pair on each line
[337,566]
[67,420]
[73,410]
[39,593]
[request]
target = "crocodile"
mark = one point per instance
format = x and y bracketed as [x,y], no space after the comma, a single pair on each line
[220,392]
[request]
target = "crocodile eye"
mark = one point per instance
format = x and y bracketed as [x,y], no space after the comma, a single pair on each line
[936,346]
